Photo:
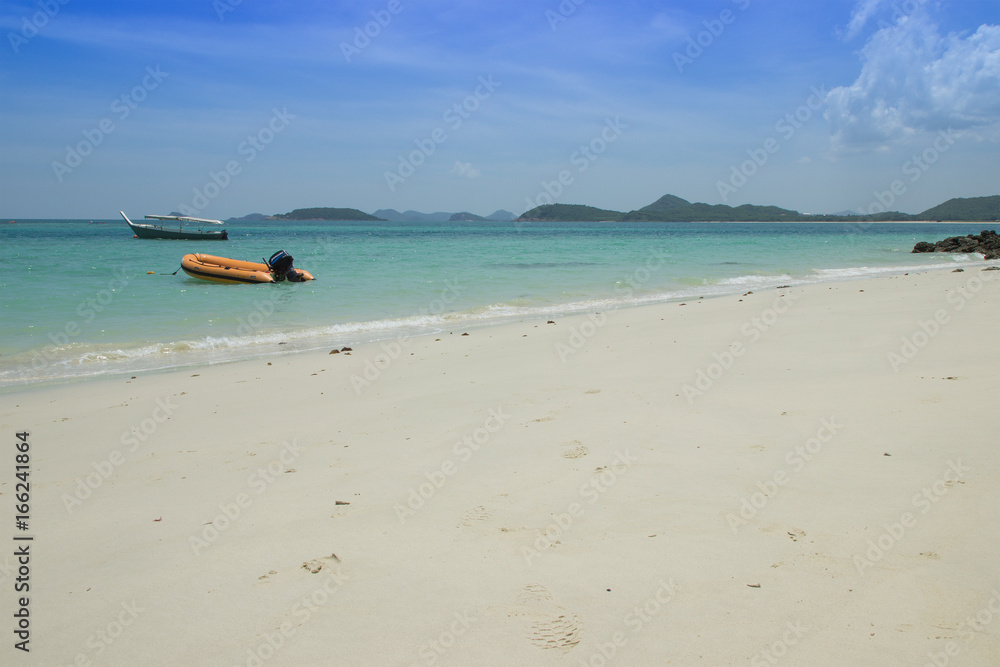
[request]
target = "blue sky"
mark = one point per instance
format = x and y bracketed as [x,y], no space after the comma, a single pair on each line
[221,108]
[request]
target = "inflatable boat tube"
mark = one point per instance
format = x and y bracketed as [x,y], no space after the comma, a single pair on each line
[225,270]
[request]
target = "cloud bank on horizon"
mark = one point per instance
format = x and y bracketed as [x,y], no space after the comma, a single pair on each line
[220,108]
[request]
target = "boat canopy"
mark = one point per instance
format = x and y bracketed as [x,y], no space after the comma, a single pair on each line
[183,218]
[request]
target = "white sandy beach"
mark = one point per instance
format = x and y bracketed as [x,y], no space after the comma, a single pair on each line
[801,476]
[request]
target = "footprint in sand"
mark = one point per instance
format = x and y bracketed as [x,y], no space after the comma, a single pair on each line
[562,632]
[546,624]
[533,593]
[477,513]
[574,450]
[316,564]
[794,534]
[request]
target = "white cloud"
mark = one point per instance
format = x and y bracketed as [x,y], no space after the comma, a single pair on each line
[465,170]
[864,11]
[914,80]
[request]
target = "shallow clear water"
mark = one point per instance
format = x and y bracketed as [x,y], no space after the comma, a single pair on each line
[76,299]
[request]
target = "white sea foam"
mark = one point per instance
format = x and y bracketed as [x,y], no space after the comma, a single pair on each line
[287,331]
[949,262]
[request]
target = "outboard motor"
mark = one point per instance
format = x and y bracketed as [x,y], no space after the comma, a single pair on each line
[280,265]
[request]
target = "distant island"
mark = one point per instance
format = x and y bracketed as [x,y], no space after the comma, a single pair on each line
[253,217]
[570,213]
[670,208]
[392,215]
[321,213]
[465,216]
[327,214]
[497,216]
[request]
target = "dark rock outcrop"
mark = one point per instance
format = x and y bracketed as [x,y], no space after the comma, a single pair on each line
[986,243]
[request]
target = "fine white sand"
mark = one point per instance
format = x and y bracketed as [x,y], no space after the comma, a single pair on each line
[802,476]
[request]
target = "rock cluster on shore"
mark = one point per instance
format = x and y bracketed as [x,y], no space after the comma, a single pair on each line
[987,243]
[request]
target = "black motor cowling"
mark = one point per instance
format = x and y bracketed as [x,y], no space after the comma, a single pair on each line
[280,265]
[280,262]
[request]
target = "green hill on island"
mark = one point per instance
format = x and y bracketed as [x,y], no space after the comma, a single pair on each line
[251,217]
[666,203]
[465,216]
[674,209]
[569,213]
[326,214]
[670,208]
[973,209]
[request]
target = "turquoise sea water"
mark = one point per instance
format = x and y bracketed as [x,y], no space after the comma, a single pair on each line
[77,300]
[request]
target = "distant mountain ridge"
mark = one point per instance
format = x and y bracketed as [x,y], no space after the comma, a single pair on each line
[670,208]
[392,215]
[324,213]
[465,216]
[501,215]
[569,213]
[251,217]
[972,209]
[666,203]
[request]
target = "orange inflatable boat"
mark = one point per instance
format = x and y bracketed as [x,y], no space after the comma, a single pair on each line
[224,270]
